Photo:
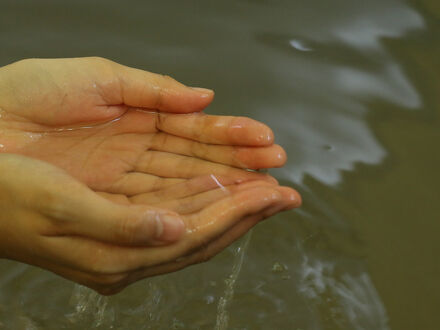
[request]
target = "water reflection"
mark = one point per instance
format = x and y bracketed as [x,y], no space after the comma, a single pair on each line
[323,143]
[353,300]
[366,29]
[390,85]
[299,45]
[327,144]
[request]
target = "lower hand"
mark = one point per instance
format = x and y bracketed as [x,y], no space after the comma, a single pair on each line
[50,220]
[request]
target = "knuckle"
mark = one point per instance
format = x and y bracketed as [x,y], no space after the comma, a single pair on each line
[159,98]
[51,204]
[200,149]
[129,230]
[162,82]
[159,121]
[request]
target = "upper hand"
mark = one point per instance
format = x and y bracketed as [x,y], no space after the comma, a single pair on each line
[106,125]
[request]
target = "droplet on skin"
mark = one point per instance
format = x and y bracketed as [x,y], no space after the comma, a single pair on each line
[265,138]
[34,136]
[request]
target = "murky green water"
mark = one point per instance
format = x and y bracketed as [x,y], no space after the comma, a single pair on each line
[352,90]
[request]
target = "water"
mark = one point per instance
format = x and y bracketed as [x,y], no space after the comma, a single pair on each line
[351,90]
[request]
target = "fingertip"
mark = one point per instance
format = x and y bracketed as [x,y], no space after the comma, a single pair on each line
[198,99]
[203,92]
[292,198]
[278,157]
[282,157]
[275,197]
[249,132]
[255,158]
[271,179]
[153,91]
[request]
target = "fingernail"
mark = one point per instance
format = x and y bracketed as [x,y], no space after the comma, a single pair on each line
[203,90]
[169,227]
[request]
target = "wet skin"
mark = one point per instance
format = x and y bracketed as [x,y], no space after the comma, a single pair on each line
[135,186]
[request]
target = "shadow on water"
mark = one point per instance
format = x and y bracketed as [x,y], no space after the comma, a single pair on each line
[351,90]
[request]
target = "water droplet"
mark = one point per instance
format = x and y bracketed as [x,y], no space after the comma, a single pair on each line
[209,299]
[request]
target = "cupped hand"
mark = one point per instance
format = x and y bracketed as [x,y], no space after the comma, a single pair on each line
[108,126]
[110,129]
[50,220]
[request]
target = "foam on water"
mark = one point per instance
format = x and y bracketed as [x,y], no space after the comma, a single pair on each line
[354,299]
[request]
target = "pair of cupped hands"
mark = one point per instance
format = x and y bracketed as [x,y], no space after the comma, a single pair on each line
[110,174]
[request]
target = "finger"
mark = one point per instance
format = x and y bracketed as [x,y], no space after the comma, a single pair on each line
[200,201]
[227,130]
[158,92]
[133,121]
[92,216]
[243,157]
[292,199]
[217,218]
[135,183]
[184,189]
[204,254]
[170,165]
[115,198]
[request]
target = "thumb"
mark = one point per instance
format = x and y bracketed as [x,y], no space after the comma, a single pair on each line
[100,219]
[158,92]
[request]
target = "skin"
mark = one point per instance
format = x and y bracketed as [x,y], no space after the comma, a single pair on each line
[107,176]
